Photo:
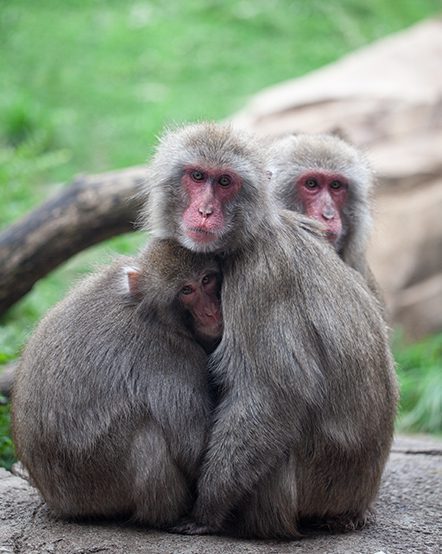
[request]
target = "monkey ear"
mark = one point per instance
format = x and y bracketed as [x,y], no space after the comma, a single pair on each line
[339,132]
[132,282]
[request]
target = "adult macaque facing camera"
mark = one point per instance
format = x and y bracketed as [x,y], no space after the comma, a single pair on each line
[305,421]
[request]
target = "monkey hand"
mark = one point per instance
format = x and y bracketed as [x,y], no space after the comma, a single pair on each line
[187,526]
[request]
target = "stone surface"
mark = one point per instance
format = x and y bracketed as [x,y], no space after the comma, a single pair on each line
[408,520]
[385,98]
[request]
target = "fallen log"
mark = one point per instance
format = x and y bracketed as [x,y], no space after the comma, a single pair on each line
[93,208]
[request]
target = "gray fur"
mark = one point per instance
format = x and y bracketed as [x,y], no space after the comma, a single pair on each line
[165,197]
[295,154]
[308,389]
[111,402]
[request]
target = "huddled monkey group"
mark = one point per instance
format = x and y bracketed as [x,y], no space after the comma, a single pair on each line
[235,377]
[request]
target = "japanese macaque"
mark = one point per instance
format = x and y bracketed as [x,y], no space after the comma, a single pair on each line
[330,181]
[111,403]
[304,423]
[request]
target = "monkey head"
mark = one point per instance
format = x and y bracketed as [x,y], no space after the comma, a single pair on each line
[200,296]
[326,179]
[169,276]
[204,187]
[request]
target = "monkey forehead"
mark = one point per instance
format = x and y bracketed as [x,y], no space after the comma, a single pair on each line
[296,154]
[214,145]
[172,265]
[211,172]
[323,174]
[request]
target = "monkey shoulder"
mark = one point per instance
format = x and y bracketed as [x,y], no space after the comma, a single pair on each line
[98,326]
[307,245]
[292,270]
[298,222]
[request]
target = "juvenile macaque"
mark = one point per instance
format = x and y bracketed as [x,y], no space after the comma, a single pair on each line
[330,181]
[305,421]
[111,404]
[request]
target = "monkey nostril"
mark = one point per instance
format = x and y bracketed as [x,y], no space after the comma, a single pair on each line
[205,211]
[328,215]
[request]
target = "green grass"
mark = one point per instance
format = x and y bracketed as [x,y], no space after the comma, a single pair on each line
[7,456]
[86,85]
[420,374]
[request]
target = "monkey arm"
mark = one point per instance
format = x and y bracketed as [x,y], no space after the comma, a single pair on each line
[246,443]
[273,385]
[255,426]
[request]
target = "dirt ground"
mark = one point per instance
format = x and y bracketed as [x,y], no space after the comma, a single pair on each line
[408,520]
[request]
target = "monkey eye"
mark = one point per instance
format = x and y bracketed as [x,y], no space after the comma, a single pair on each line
[311,183]
[206,279]
[336,185]
[197,175]
[187,290]
[224,180]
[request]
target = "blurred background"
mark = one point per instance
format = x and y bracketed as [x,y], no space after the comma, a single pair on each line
[87,85]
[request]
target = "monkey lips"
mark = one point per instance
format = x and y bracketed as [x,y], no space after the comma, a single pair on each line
[200,234]
[208,317]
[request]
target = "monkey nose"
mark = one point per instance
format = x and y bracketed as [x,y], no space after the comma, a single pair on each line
[328,214]
[213,310]
[205,211]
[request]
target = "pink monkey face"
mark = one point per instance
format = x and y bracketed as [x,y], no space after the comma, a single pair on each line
[323,196]
[209,191]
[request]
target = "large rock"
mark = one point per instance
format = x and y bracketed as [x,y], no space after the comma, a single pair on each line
[386,99]
[408,520]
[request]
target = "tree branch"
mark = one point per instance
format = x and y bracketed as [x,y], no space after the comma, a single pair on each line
[90,210]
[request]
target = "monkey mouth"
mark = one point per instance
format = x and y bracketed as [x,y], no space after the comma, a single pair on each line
[200,234]
[212,319]
[214,329]
[331,236]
